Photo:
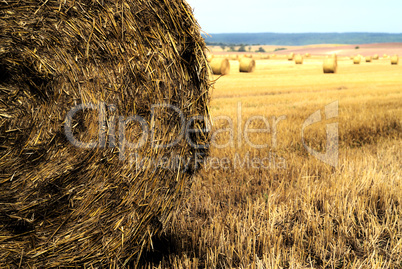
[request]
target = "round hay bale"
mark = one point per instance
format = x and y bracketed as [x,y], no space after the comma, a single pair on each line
[209,57]
[356,60]
[307,55]
[273,55]
[234,57]
[246,65]
[291,56]
[220,66]
[376,57]
[394,60]
[94,95]
[369,59]
[330,65]
[298,59]
[385,56]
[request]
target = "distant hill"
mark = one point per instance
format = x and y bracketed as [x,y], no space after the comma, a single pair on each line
[300,39]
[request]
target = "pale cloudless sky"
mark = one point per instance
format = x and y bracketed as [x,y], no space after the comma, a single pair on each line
[291,16]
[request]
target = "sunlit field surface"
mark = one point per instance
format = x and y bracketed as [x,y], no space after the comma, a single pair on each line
[262,201]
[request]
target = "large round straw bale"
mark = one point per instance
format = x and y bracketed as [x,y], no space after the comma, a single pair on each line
[246,65]
[220,66]
[376,57]
[298,59]
[394,60]
[369,59]
[385,56]
[356,60]
[291,56]
[94,96]
[330,65]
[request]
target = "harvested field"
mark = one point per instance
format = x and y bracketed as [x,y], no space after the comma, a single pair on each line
[296,211]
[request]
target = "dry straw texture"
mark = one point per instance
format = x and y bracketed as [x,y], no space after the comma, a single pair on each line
[291,56]
[376,57]
[298,59]
[220,66]
[330,65]
[246,65]
[394,60]
[369,59]
[357,60]
[61,205]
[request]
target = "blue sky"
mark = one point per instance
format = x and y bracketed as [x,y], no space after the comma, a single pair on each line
[286,16]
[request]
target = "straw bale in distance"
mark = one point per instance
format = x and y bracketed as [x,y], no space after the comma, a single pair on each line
[246,65]
[376,57]
[369,59]
[298,59]
[307,55]
[209,57]
[234,57]
[291,56]
[220,66]
[91,206]
[356,60]
[394,60]
[330,65]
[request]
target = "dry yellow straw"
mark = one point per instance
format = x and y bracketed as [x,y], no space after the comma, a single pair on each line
[330,65]
[220,66]
[246,65]
[356,60]
[299,59]
[394,60]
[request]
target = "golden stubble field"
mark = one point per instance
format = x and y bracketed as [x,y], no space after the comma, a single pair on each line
[278,206]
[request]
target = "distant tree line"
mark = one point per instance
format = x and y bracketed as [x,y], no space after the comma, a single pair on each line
[299,39]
